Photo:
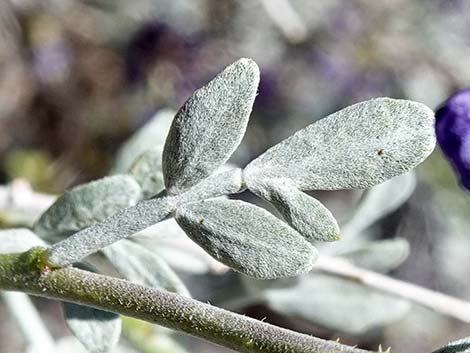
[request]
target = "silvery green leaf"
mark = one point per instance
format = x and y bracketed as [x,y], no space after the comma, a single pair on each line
[140,265]
[224,183]
[209,126]
[337,304]
[87,204]
[304,213]
[380,201]
[459,346]
[358,147]
[149,136]
[380,255]
[97,330]
[18,240]
[147,171]
[120,225]
[246,238]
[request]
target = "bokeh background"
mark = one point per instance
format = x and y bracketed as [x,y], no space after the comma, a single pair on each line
[77,78]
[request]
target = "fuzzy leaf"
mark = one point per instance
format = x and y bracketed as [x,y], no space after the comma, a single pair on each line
[357,147]
[149,136]
[209,126]
[87,204]
[18,240]
[147,171]
[380,255]
[137,264]
[97,330]
[303,212]
[380,201]
[337,304]
[459,346]
[224,183]
[122,224]
[247,238]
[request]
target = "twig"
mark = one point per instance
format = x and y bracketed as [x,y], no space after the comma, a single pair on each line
[26,272]
[438,302]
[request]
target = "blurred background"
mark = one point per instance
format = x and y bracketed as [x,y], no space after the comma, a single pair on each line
[78,78]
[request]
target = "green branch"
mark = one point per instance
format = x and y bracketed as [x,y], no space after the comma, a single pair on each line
[28,273]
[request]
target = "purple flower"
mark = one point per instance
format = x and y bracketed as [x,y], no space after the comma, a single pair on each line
[453,133]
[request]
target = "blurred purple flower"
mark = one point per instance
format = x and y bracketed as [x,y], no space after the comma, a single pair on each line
[453,133]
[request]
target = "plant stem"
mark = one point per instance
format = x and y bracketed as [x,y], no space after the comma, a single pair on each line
[438,302]
[28,273]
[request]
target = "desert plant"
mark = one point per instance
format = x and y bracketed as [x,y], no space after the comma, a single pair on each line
[358,147]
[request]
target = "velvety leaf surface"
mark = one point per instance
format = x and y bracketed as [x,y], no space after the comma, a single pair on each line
[357,147]
[87,204]
[209,126]
[303,212]
[246,238]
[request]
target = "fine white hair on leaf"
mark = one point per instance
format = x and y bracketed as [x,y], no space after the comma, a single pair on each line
[246,238]
[87,204]
[209,126]
[357,147]
[304,213]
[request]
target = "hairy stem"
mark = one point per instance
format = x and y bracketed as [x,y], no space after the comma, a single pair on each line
[28,273]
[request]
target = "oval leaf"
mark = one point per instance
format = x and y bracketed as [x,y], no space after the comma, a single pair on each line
[209,126]
[304,213]
[357,147]
[97,330]
[246,238]
[137,264]
[147,171]
[85,205]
